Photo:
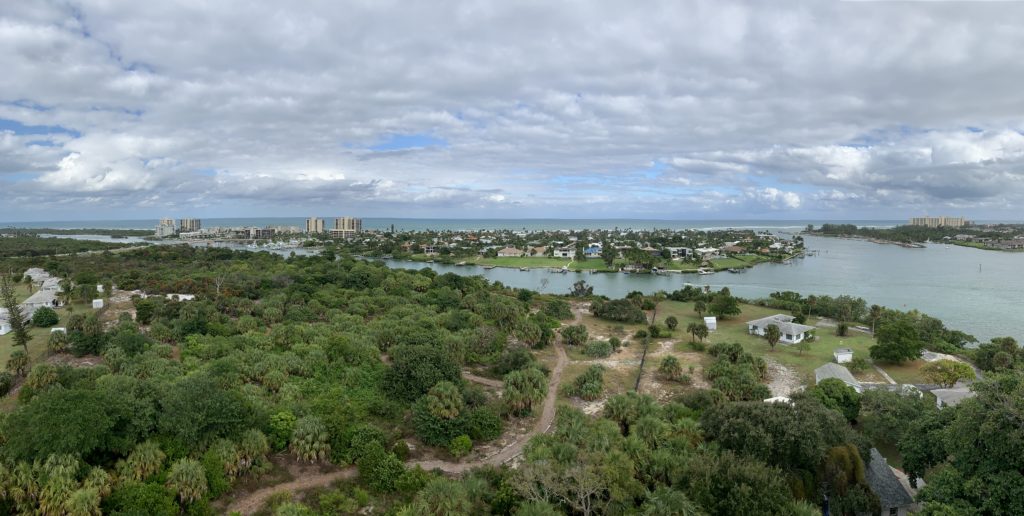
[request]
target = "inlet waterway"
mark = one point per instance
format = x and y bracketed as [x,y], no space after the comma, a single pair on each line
[979,292]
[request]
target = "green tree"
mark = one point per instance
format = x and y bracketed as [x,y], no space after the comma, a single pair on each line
[897,341]
[15,317]
[282,425]
[57,342]
[947,372]
[773,334]
[836,395]
[460,446]
[378,468]
[523,389]
[581,289]
[575,335]
[700,307]
[187,479]
[724,305]
[671,322]
[445,400]
[874,314]
[145,460]
[608,254]
[18,363]
[442,497]
[44,317]
[415,369]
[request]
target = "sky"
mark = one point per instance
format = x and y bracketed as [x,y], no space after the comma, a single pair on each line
[827,109]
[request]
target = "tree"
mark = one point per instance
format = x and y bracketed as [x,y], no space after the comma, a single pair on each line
[581,289]
[523,389]
[15,317]
[836,395]
[700,307]
[697,331]
[187,479]
[773,334]
[282,425]
[309,439]
[608,254]
[17,364]
[444,400]
[670,368]
[724,305]
[460,446]
[378,468]
[874,314]
[442,497]
[57,342]
[575,335]
[44,317]
[803,345]
[146,459]
[947,372]
[415,369]
[897,341]
[671,322]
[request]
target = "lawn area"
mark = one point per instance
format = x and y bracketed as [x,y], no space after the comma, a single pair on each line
[907,372]
[601,329]
[735,330]
[730,263]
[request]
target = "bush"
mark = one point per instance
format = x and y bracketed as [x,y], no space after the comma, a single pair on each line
[622,310]
[654,331]
[574,335]
[281,426]
[701,399]
[483,424]
[6,382]
[671,322]
[460,446]
[842,329]
[615,342]
[640,334]
[379,469]
[45,317]
[670,368]
[587,386]
[558,309]
[597,349]
[697,346]
[400,449]
[858,364]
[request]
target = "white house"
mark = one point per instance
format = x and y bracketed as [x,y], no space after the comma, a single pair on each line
[838,372]
[564,252]
[711,323]
[41,298]
[5,327]
[97,303]
[843,355]
[792,333]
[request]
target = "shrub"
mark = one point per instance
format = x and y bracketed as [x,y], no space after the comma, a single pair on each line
[615,342]
[842,329]
[622,310]
[587,386]
[654,331]
[597,349]
[858,364]
[558,309]
[671,322]
[281,426]
[400,449]
[6,382]
[45,317]
[670,368]
[483,424]
[686,379]
[309,439]
[697,346]
[460,446]
[574,335]
[640,334]
[379,469]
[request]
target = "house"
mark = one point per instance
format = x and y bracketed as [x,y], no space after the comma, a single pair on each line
[679,252]
[594,251]
[5,327]
[509,252]
[564,252]
[838,372]
[843,355]
[733,249]
[952,397]
[792,333]
[41,298]
[711,323]
[706,252]
[893,497]
[652,251]
[538,251]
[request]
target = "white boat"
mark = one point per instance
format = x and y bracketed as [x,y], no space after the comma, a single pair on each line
[704,271]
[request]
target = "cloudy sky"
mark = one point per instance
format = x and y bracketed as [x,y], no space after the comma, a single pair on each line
[115,109]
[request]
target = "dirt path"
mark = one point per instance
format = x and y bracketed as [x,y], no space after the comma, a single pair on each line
[255,500]
[783,380]
[490,382]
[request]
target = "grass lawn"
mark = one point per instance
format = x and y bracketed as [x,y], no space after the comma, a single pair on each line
[907,372]
[735,330]
[603,330]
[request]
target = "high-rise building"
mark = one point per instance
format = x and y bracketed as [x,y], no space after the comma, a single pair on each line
[346,227]
[314,225]
[935,222]
[188,225]
[165,228]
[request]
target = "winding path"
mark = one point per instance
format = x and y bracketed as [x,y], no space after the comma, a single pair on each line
[254,501]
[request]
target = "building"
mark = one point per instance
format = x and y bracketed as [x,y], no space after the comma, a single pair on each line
[189,225]
[314,225]
[711,322]
[791,332]
[838,372]
[5,327]
[509,252]
[97,303]
[346,227]
[952,397]
[935,222]
[843,355]
[892,495]
[165,228]
[261,233]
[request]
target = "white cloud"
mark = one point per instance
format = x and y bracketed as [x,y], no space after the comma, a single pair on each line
[545,109]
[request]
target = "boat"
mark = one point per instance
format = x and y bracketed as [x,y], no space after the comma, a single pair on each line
[735,271]
[488,267]
[704,271]
[524,269]
[461,263]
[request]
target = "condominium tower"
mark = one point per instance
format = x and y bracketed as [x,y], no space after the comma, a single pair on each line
[314,225]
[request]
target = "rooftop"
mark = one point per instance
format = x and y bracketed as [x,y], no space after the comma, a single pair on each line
[884,483]
[784,322]
[953,397]
[836,371]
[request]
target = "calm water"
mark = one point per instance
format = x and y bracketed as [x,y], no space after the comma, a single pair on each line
[942,282]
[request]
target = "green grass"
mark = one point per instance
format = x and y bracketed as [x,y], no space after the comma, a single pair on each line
[907,372]
[735,330]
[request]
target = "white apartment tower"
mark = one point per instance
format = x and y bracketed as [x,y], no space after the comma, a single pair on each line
[314,225]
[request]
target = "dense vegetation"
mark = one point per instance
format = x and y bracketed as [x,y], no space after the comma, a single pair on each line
[318,359]
[49,246]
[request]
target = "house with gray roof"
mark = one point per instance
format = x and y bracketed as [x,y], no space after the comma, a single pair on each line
[952,397]
[838,372]
[893,497]
[792,333]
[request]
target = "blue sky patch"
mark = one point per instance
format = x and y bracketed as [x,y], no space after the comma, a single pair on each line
[408,141]
[19,128]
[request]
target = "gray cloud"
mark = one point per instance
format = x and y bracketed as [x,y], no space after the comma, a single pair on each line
[675,109]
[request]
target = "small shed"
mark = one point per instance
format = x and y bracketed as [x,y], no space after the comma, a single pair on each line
[99,288]
[5,327]
[58,329]
[97,303]
[711,323]
[843,355]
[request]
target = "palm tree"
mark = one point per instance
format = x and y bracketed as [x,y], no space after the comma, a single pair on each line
[875,314]
[57,342]
[28,283]
[146,459]
[309,439]
[252,448]
[83,502]
[692,330]
[18,363]
[187,478]
[773,334]
[444,400]
[700,307]
[228,456]
[98,479]
[523,388]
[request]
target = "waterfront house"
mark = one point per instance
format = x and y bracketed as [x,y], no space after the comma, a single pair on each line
[564,252]
[509,252]
[843,355]
[792,333]
[594,251]
[892,495]
[952,397]
[838,372]
[733,249]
